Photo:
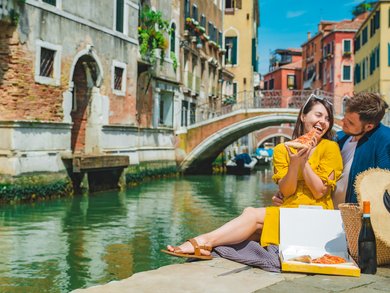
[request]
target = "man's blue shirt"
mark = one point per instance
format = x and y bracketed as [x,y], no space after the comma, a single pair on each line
[372,151]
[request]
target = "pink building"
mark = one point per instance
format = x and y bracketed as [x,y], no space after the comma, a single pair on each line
[285,73]
[338,60]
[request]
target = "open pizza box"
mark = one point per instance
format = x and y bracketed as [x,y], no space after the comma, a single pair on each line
[314,232]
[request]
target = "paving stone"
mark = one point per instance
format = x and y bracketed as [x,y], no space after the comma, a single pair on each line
[221,275]
[290,286]
[337,283]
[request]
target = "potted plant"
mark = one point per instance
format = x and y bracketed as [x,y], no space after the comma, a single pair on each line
[151,38]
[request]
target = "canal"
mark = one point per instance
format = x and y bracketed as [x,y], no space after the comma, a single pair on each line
[64,244]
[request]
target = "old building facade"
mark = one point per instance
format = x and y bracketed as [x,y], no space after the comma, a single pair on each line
[68,85]
[372,52]
[240,27]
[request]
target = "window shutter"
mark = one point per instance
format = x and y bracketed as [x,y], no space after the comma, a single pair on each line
[388,54]
[234,50]
[239,4]
[119,15]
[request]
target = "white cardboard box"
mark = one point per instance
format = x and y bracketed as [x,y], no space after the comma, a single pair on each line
[314,232]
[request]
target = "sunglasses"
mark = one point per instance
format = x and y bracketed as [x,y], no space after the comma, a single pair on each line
[318,98]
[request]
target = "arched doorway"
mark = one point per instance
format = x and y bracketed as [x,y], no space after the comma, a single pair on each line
[85,77]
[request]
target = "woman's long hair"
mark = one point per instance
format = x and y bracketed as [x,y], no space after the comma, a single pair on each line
[299,128]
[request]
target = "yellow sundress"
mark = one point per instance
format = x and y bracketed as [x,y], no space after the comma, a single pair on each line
[325,159]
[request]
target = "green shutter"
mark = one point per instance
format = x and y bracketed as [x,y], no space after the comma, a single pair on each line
[119,15]
[234,50]
[388,54]
[254,55]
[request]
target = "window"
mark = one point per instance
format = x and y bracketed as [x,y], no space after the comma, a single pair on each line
[184,113]
[291,83]
[331,73]
[271,84]
[231,50]
[346,46]
[192,113]
[357,75]
[187,9]
[235,90]
[210,29]
[229,4]
[48,63]
[56,3]
[203,21]
[120,13]
[195,12]
[165,117]
[118,78]
[220,39]
[357,43]
[388,54]
[346,73]
[266,85]
[51,2]
[364,36]
[173,38]
[325,76]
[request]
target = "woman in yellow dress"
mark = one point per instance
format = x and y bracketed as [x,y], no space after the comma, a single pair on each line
[305,177]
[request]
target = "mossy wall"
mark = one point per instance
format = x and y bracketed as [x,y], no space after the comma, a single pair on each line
[35,186]
[144,171]
[41,186]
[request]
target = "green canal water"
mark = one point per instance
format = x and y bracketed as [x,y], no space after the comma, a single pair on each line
[61,245]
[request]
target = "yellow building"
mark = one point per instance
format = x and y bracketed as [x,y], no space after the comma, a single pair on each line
[372,52]
[241,21]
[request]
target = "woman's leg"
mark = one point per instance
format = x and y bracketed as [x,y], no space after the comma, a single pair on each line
[243,227]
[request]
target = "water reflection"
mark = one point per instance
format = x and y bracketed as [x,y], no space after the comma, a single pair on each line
[61,245]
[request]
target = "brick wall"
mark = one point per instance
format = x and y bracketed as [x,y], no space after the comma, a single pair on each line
[20,97]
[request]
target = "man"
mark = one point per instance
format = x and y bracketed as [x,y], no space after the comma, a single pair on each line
[364,143]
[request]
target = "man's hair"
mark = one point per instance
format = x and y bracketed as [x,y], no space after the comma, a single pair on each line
[369,106]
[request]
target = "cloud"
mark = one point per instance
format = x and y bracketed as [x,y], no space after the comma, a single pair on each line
[292,14]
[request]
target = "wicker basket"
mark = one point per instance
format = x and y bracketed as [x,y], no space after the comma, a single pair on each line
[352,219]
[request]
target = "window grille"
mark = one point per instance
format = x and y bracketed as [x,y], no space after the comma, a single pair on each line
[118,75]
[47,62]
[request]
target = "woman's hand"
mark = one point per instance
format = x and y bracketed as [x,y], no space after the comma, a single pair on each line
[300,158]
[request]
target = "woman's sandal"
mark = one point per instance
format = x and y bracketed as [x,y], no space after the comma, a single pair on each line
[197,254]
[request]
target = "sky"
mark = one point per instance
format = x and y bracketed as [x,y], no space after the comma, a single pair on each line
[285,23]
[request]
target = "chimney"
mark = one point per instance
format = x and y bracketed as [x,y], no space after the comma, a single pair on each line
[308,35]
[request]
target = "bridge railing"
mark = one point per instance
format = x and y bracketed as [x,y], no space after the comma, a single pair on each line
[264,99]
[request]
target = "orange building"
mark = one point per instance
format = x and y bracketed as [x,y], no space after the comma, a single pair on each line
[285,73]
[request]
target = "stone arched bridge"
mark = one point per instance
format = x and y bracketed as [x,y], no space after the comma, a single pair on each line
[201,143]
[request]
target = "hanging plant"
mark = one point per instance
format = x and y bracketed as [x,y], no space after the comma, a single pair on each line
[151,34]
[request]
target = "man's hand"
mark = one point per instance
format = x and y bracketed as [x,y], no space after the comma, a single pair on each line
[278,199]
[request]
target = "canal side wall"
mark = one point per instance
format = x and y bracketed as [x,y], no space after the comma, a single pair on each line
[32,165]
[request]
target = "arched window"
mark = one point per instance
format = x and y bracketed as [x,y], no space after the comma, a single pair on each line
[173,39]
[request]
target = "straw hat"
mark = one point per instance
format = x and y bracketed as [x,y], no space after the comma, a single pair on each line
[372,185]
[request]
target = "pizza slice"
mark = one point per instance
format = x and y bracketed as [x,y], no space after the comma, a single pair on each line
[302,258]
[307,140]
[329,259]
